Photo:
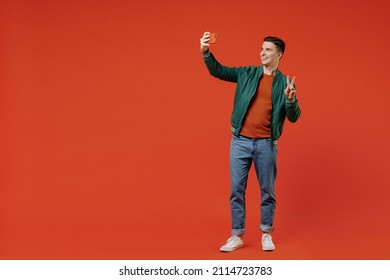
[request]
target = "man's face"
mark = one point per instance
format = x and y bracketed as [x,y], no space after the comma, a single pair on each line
[269,54]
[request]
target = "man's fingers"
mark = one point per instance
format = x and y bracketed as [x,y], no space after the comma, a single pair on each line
[292,82]
[206,36]
[204,43]
[290,88]
[205,39]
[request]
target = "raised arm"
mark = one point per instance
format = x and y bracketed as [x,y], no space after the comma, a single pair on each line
[215,68]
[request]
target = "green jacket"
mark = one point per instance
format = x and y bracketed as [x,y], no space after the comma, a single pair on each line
[247,79]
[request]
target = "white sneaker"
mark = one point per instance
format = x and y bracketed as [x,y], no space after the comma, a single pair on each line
[267,243]
[233,243]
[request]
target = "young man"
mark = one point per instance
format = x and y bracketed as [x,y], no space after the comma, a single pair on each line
[264,97]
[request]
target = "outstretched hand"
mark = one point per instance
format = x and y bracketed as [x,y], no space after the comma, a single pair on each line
[290,89]
[204,46]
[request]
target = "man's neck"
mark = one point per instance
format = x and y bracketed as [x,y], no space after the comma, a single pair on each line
[270,70]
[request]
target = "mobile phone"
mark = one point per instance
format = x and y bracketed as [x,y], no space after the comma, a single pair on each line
[213,38]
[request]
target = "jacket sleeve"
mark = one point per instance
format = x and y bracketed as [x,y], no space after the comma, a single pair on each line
[293,111]
[229,74]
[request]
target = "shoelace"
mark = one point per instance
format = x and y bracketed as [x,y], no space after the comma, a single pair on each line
[232,239]
[267,238]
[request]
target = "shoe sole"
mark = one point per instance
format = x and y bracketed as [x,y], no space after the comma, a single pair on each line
[227,250]
[268,248]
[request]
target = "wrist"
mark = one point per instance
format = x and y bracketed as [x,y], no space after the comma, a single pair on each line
[290,100]
[206,53]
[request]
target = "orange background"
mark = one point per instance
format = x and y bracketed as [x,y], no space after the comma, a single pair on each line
[114,139]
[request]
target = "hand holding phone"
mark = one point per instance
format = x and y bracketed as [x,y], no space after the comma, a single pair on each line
[207,39]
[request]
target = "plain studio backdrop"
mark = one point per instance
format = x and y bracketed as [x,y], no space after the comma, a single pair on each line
[114,138]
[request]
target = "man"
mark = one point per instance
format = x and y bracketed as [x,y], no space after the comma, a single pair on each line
[264,97]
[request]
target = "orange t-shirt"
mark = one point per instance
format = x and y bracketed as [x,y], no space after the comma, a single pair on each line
[257,123]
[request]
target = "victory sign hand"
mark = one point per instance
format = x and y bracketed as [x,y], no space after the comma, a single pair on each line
[290,89]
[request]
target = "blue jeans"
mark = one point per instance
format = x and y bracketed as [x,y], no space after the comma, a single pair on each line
[244,151]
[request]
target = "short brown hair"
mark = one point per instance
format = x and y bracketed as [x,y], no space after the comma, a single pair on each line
[279,43]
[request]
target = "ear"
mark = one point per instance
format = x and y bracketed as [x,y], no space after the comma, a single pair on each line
[280,54]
